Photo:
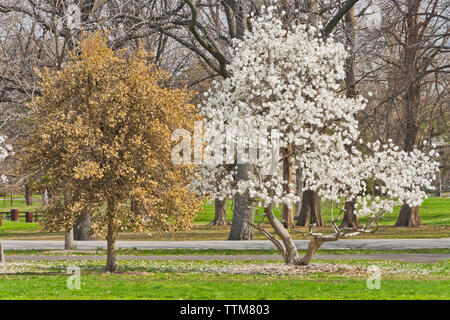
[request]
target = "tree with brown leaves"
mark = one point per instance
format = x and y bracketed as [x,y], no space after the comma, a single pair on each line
[102,133]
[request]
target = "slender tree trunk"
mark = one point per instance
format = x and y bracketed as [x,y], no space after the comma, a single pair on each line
[111,265]
[288,214]
[438,184]
[350,219]
[82,228]
[2,254]
[220,216]
[240,229]
[69,243]
[291,251]
[44,196]
[310,211]
[408,217]
[133,206]
[298,191]
[349,20]
[28,195]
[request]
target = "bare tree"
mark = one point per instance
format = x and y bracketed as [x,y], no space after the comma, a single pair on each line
[405,63]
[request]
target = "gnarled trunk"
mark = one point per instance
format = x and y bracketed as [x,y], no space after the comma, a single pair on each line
[408,217]
[220,216]
[310,211]
[289,249]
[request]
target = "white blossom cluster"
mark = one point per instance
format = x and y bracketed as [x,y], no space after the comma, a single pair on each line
[287,81]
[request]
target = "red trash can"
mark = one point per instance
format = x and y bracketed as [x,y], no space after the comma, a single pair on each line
[14,215]
[28,216]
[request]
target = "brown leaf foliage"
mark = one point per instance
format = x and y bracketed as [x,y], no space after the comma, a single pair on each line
[102,135]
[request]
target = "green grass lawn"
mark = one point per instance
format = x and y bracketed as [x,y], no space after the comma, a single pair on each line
[434,212]
[188,280]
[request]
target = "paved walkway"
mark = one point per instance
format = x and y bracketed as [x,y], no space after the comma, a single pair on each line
[413,257]
[369,244]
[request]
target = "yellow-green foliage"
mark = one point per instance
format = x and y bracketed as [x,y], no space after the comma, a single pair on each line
[103,135]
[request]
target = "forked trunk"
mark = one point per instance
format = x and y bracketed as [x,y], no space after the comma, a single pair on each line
[350,219]
[290,251]
[220,216]
[310,211]
[408,217]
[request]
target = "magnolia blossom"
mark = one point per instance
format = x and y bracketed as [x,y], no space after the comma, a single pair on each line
[287,81]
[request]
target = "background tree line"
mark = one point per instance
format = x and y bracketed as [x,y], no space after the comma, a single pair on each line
[399,52]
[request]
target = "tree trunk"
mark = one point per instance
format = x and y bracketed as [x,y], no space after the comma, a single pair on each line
[438,184]
[69,243]
[350,219]
[220,217]
[298,191]
[133,206]
[111,265]
[2,255]
[349,20]
[82,228]
[408,217]
[28,195]
[291,251]
[310,211]
[240,229]
[313,246]
[288,214]
[44,196]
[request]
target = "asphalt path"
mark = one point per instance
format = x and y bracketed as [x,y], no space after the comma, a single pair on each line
[364,244]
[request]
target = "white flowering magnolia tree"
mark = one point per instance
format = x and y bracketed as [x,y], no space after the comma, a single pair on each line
[5,150]
[284,94]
